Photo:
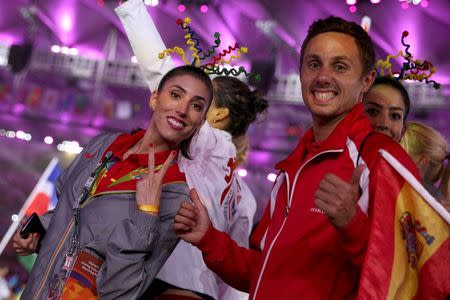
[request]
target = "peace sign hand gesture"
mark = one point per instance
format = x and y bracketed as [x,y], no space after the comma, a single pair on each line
[149,187]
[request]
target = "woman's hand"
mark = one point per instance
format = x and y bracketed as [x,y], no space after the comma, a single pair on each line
[25,246]
[148,189]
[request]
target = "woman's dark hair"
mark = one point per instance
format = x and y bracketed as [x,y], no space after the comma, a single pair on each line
[389,81]
[200,75]
[244,105]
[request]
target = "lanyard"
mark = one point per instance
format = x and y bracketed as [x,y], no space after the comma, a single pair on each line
[83,197]
[87,188]
[57,283]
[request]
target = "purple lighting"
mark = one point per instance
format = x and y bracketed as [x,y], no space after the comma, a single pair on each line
[375,1]
[55,49]
[424,3]
[351,2]
[66,23]
[90,52]
[8,39]
[405,5]
[98,122]
[352,9]
[18,108]
[65,50]
[48,140]
[181,8]
[65,118]
[73,51]
[204,8]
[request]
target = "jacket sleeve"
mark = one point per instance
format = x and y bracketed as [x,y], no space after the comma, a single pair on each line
[46,218]
[137,249]
[355,237]
[239,231]
[219,250]
[242,222]
[145,41]
[210,171]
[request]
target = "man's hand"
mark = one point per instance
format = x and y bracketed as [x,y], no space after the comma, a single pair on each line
[192,221]
[25,246]
[338,199]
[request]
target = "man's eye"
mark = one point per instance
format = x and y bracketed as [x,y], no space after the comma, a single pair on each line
[313,65]
[341,67]
[396,117]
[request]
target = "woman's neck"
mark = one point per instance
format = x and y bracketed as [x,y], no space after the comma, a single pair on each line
[143,145]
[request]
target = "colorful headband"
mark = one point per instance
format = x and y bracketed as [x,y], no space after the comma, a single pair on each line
[205,59]
[412,69]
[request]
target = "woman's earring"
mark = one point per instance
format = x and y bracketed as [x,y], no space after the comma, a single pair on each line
[153,105]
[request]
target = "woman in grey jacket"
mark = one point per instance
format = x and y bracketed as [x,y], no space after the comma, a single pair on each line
[110,233]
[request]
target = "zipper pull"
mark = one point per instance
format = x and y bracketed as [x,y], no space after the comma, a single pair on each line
[286,210]
[76,215]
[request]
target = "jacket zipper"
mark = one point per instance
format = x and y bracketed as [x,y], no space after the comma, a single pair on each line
[52,259]
[61,242]
[290,194]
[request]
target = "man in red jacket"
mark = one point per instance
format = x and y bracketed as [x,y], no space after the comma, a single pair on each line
[312,240]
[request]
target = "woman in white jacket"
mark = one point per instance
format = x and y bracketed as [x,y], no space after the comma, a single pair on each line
[211,170]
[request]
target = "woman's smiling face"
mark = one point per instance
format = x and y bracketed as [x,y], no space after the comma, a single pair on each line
[180,108]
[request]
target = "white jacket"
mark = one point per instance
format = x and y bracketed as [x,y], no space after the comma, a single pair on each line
[229,201]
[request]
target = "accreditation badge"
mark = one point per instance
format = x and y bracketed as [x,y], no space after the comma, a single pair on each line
[81,283]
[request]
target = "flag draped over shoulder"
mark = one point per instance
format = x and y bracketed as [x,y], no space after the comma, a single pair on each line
[408,254]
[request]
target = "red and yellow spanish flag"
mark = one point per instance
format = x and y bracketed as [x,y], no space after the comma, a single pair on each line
[408,254]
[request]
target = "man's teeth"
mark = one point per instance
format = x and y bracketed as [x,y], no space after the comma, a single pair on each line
[324,96]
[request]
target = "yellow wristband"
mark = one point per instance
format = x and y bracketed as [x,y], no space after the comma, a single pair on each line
[148,208]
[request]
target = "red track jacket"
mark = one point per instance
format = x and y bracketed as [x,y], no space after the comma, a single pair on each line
[300,255]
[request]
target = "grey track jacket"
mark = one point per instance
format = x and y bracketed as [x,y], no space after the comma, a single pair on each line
[133,245]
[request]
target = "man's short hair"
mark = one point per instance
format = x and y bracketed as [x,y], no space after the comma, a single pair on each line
[336,24]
